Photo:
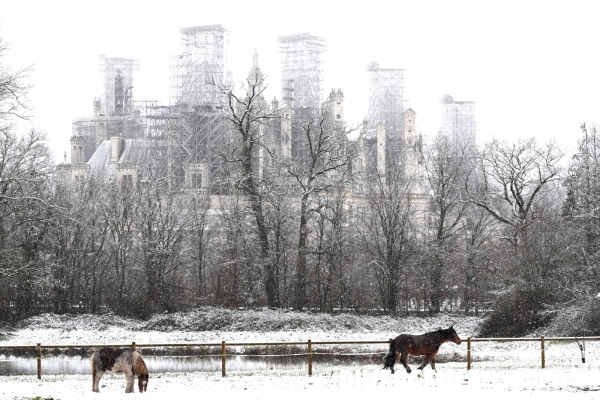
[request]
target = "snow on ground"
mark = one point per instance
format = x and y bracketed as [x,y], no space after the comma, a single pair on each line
[509,369]
[451,381]
[212,325]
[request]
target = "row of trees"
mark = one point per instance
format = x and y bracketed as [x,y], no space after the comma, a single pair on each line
[511,227]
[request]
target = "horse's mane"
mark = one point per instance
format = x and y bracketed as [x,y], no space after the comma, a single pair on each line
[445,333]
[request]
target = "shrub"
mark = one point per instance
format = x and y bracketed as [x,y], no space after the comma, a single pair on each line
[516,313]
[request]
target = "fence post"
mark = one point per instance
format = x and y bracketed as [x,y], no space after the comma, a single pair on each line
[132,346]
[543,354]
[309,358]
[39,360]
[469,353]
[223,358]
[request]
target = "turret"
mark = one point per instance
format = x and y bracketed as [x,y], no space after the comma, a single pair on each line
[336,105]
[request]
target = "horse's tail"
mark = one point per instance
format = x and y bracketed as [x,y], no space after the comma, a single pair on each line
[390,359]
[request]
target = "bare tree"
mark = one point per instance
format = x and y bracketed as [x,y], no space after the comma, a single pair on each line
[477,229]
[13,90]
[162,223]
[322,165]
[76,243]
[119,213]
[386,231]
[334,254]
[512,178]
[248,114]
[446,166]
[280,214]
[201,235]
[513,183]
[25,170]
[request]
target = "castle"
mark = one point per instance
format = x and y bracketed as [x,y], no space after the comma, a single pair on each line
[126,138]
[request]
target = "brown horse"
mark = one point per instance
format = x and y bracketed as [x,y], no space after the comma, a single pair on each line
[426,345]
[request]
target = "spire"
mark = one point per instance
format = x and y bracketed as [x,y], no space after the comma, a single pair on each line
[255,75]
[255,59]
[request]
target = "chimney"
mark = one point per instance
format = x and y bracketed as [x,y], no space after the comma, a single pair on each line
[116,144]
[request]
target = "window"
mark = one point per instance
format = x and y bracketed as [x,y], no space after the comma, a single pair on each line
[196,182]
[127,181]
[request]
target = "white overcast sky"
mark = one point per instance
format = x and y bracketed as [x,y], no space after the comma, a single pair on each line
[530,66]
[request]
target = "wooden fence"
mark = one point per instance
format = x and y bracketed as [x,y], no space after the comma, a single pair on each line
[540,339]
[309,346]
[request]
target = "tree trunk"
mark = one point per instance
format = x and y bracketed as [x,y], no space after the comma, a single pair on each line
[300,281]
[436,284]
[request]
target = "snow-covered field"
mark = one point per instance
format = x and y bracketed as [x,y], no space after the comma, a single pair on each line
[509,369]
[452,381]
[210,325]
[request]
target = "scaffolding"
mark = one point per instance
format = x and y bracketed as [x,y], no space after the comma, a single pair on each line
[117,84]
[458,119]
[198,73]
[302,70]
[92,131]
[188,135]
[189,140]
[386,101]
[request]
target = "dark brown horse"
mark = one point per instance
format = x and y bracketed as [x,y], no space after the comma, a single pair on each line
[426,345]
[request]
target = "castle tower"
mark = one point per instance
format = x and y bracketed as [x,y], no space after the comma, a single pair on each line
[201,68]
[381,146]
[286,132]
[336,105]
[413,154]
[77,150]
[302,70]
[361,159]
[117,84]
[386,101]
[458,120]
[415,172]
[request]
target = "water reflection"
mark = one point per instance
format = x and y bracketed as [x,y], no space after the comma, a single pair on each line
[73,365]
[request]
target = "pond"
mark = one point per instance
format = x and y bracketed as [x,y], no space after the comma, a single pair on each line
[74,365]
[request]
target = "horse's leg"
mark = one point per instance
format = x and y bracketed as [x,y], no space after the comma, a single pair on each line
[433,363]
[425,362]
[396,355]
[403,358]
[97,376]
[130,381]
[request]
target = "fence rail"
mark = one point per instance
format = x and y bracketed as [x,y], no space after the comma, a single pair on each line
[309,346]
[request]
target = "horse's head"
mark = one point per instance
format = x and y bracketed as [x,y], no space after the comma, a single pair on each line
[143,382]
[453,336]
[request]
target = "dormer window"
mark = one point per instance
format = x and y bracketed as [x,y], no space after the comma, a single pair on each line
[197,180]
[127,181]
